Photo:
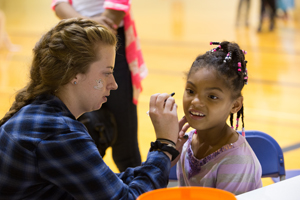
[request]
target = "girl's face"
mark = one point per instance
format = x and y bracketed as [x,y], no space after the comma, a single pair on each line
[94,86]
[207,101]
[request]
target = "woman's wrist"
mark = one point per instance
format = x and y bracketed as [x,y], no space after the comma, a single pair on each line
[167,148]
[166,141]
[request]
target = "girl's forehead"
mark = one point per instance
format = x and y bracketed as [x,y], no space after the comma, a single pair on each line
[204,73]
[205,76]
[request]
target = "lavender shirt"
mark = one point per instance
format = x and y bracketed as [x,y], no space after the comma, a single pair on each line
[234,168]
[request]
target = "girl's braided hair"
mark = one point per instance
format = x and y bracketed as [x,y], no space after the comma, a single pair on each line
[229,62]
[66,50]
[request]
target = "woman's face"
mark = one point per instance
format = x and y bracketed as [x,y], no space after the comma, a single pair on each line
[95,85]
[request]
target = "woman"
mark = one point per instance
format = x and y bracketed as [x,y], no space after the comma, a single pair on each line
[46,153]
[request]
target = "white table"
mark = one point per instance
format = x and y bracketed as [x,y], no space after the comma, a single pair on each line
[284,190]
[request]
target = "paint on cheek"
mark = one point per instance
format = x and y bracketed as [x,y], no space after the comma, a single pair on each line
[99,85]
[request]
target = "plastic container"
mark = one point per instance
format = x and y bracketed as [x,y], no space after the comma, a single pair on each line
[187,193]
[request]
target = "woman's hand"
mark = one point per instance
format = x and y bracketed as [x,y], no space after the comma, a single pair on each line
[105,21]
[110,18]
[163,114]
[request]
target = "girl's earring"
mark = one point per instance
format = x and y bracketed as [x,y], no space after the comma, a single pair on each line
[75,82]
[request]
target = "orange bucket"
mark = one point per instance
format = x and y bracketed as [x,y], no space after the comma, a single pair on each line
[187,193]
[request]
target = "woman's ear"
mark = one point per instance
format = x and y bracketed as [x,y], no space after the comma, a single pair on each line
[237,104]
[76,79]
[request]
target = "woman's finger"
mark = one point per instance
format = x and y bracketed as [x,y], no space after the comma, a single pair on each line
[152,102]
[161,100]
[169,104]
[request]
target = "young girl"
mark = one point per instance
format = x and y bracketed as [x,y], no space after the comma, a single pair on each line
[215,155]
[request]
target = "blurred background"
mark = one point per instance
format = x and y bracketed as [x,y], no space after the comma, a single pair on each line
[172,34]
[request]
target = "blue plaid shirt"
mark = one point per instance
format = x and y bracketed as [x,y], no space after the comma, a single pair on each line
[46,154]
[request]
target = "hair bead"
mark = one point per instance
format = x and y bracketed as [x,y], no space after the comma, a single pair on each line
[214,43]
[243,132]
[228,57]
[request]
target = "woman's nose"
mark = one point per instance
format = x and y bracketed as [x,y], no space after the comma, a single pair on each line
[113,85]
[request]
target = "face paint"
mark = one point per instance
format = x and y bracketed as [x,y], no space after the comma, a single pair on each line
[99,84]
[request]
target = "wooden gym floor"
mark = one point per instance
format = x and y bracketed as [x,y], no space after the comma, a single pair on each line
[172,34]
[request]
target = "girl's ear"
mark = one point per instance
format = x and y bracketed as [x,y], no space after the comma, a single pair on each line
[237,104]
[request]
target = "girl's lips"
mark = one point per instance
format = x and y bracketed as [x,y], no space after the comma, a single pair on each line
[196,115]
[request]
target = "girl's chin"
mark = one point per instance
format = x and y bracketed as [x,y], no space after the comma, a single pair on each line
[197,126]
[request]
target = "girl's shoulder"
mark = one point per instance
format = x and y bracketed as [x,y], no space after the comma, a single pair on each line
[239,151]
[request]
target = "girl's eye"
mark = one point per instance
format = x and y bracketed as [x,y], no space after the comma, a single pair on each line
[213,97]
[189,91]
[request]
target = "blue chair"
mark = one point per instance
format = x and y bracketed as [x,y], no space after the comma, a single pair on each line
[288,174]
[268,152]
[173,175]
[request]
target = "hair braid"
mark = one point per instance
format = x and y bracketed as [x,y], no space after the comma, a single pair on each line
[231,120]
[242,114]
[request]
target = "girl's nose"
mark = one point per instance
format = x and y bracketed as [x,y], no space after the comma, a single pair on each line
[197,102]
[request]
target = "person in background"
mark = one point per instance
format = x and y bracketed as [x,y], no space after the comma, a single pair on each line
[216,155]
[46,153]
[243,5]
[129,70]
[285,6]
[271,4]
[4,38]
